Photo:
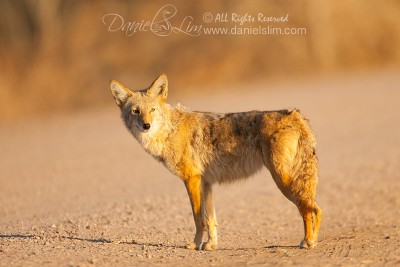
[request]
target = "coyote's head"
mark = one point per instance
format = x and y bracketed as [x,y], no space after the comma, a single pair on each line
[142,111]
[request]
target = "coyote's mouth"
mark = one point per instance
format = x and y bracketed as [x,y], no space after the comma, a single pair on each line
[141,129]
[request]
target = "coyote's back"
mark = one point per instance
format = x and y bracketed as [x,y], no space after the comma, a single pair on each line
[203,148]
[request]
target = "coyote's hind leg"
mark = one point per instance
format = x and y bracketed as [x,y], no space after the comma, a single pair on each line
[310,212]
[308,220]
[293,164]
[317,213]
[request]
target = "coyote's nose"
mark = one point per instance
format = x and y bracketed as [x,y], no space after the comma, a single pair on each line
[146,126]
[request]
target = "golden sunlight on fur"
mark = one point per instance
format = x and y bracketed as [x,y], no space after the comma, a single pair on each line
[204,148]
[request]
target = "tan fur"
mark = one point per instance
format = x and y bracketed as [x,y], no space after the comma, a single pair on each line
[206,148]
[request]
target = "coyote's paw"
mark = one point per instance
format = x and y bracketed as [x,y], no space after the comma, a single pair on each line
[210,246]
[193,246]
[308,244]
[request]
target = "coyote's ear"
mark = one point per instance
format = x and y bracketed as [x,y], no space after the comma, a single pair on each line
[120,92]
[159,87]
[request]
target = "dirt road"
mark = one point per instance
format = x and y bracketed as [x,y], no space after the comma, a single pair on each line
[77,190]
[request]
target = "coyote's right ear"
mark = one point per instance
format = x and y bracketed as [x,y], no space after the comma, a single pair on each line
[120,92]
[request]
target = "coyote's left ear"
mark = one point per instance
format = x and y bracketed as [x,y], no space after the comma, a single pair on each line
[159,87]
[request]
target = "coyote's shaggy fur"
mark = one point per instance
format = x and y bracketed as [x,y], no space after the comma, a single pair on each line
[205,148]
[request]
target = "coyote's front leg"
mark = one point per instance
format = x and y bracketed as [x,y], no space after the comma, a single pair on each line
[194,189]
[210,218]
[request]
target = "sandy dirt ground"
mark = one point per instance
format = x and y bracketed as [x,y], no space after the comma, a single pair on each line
[78,190]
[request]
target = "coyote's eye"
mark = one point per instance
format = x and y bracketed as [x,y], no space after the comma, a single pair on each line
[153,109]
[136,111]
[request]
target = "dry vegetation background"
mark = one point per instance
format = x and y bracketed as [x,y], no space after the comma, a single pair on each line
[57,55]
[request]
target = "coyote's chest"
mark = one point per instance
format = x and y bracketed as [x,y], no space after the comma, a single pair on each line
[152,144]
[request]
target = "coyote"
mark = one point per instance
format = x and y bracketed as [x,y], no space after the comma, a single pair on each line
[203,148]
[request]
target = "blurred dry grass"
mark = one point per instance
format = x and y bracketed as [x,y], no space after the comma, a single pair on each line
[58,55]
